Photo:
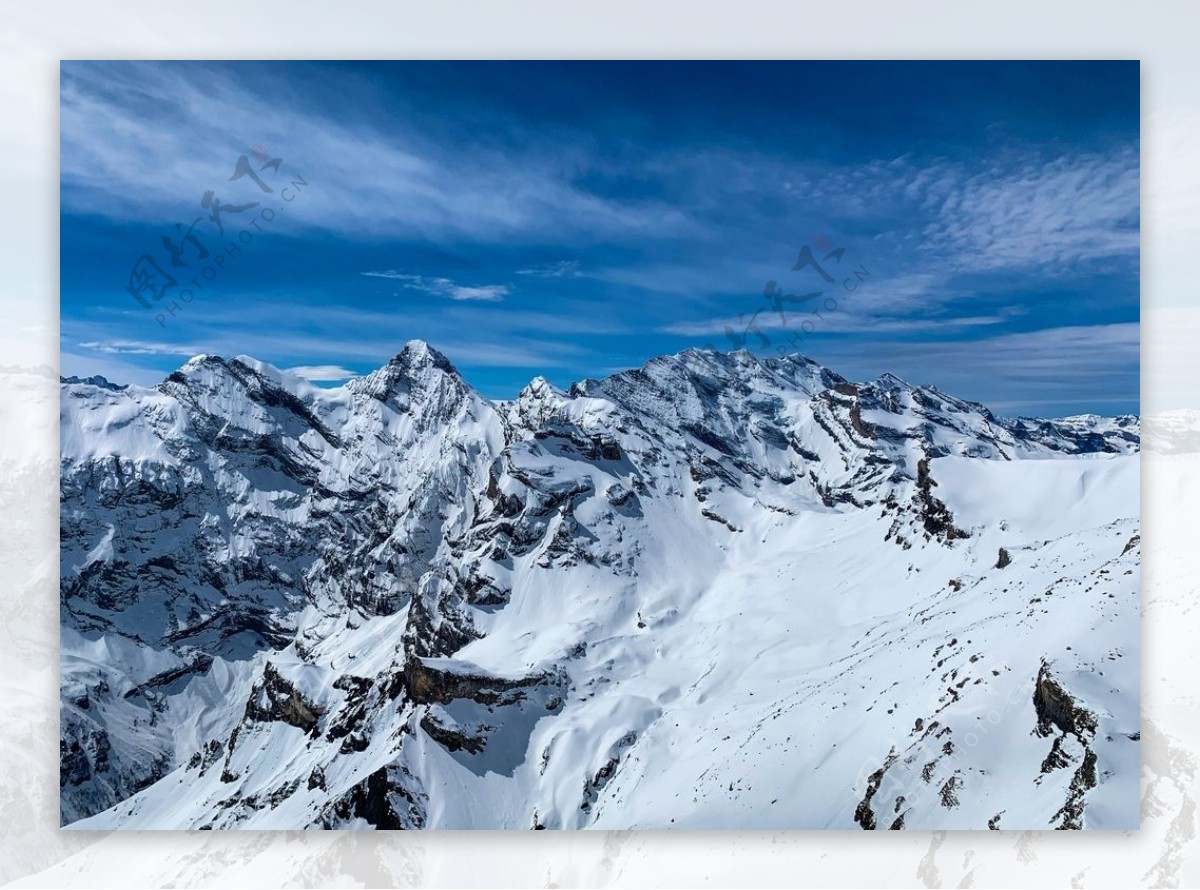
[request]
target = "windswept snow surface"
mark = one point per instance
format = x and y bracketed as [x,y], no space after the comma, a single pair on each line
[712,592]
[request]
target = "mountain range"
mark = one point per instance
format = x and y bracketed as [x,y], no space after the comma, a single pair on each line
[712,592]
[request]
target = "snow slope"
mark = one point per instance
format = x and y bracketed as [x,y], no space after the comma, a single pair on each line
[712,592]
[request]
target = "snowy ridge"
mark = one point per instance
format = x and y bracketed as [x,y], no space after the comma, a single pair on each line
[710,592]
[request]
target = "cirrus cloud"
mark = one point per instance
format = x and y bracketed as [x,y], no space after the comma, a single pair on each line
[322,373]
[444,287]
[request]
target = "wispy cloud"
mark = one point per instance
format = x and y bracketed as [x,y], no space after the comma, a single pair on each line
[365,178]
[444,287]
[138,347]
[561,269]
[322,373]
[1061,212]
[830,323]
[346,337]
[1016,210]
[1066,366]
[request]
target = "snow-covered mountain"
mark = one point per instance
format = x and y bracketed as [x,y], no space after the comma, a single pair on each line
[713,592]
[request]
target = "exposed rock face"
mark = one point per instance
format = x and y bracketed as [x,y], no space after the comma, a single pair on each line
[371,584]
[1059,711]
[1056,708]
[386,799]
[935,516]
[863,814]
[275,699]
[425,685]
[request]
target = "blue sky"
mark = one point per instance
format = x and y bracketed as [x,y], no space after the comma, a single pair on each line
[574,219]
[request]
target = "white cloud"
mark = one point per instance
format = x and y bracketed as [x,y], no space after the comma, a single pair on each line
[322,373]
[832,323]
[1021,211]
[1028,371]
[145,140]
[1059,213]
[444,287]
[561,269]
[139,347]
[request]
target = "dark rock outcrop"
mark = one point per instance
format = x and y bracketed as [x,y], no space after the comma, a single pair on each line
[275,699]
[427,685]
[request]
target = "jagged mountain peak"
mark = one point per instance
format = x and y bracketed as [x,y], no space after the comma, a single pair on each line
[888,380]
[708,359]
[202,358]
[205,374]
[417,354]
[417,369]
[216,379]
[209,370]
[533,407]
[539,387]
[688,369]
[796,359]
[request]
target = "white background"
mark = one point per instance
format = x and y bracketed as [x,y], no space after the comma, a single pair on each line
[33,852]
